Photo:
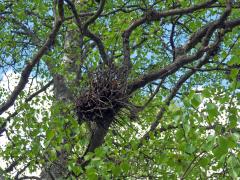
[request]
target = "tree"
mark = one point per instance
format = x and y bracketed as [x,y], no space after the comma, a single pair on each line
[120,89]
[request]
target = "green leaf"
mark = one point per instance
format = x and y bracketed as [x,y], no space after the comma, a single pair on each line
[212,111]
[234,61]
[100,152]
[204,161]
[234,73]
[116,170]
[231,141]
[222,148]
[233,121]
[88,156]
[92,173]
[196,100]
[125,166]
[76,170]
[190,148]
[52,155]
[50,134]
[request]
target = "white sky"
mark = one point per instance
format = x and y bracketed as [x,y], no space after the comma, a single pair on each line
[8,83]
[10,80]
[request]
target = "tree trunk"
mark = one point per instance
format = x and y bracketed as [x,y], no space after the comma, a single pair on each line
[62,93]
[73,44]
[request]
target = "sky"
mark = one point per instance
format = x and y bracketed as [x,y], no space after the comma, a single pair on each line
[8,83]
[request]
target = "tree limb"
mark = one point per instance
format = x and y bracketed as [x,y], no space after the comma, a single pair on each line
[27,70]
[29,98]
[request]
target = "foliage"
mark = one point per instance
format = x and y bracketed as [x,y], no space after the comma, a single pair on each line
[172,67]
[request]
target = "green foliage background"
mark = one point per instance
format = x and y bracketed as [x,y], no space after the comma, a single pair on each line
[198,136]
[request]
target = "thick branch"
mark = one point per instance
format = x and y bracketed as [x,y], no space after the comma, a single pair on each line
[180,61]
[153,15]
[87,32]
[179,84]
[27,70]
[95,16]
[29,98]
[100,46]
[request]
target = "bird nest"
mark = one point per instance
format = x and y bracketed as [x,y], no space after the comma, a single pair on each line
[103,99]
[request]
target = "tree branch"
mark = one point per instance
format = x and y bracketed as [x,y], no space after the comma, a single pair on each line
[153,15]
[180,61]
[27,70]
[174,91]
[84,29]
[95,16]
[29,98]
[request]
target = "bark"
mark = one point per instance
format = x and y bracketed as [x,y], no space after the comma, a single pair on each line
[74,52]
[74,43]
[58,169]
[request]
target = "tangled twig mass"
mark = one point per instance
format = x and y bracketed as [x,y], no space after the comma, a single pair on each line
[104,97]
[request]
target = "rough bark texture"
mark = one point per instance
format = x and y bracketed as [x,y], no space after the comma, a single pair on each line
[58,169]
[199,47]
